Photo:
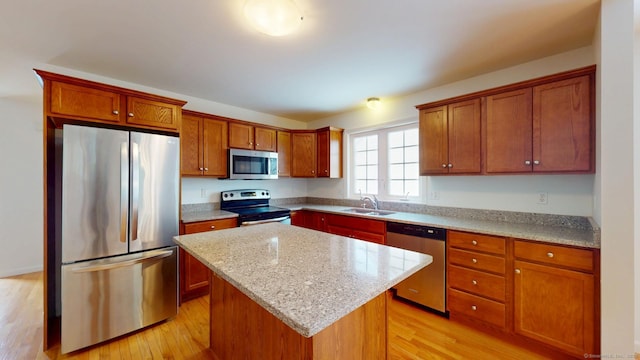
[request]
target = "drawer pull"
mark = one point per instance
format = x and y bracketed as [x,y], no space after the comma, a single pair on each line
[213,226]
[115,112]
[550,254]
[473,242]
[474,260]
[517,271]
[474,282]
[474,308]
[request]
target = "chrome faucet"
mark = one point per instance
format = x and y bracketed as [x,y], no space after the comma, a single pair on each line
[374,201]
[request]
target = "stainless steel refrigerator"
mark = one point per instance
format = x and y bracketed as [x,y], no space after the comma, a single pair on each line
[120,198]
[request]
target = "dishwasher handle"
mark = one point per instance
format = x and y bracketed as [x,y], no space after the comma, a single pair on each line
[428,232]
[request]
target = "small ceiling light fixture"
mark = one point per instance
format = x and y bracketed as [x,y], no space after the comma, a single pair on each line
[273,17]
[373,103]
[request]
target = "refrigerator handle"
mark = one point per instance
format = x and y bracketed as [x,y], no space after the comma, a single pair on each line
[124,190]
[135,188]
[119,264]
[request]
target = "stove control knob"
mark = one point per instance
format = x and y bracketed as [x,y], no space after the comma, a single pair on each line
[225,195]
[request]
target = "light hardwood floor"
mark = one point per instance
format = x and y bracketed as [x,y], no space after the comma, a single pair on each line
[413,333]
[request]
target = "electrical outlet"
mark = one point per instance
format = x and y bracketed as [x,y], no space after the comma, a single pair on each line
[434,195]
[543,198]
[203,193]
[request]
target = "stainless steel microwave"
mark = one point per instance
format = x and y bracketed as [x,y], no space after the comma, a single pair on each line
[251,164]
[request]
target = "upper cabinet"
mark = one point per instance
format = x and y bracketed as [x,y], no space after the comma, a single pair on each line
[70,99]
[544,125]
[246,136]
[450,139]
[545,128]
[329,152]
[203,146]
[284,153]
[303,154]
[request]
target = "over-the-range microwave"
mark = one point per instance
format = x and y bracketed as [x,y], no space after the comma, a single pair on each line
[252,164]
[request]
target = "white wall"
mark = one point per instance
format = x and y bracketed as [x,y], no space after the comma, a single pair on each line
[21,185]
[203,190]
[614,184]
[567,195]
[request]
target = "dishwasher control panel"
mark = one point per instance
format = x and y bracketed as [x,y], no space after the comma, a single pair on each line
[417,230]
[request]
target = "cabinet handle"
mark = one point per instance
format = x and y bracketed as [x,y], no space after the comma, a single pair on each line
[550,254]
[201,169]
[256,144]
[250,143]
[517,271]
[206,169]
[474,242]
[444,165]
[115,112]
[313,171]
[474,308]
[326,171]
[474,282]
[527,162]
[213,226]
[450,165]
[130,114]
[536,162]
[474,260]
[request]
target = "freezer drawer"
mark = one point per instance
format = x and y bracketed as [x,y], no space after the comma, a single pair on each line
[103,299]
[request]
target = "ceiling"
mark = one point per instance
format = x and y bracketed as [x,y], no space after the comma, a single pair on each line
[344,52]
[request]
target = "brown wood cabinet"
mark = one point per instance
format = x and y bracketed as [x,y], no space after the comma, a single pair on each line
[194,276]
[247,136]
[450,141]
[329,152]
[284,153]
[476,281]
[357,228]
[303,154]
[203,146]
[68,99]
[314,220]
[545,128]
[555,296]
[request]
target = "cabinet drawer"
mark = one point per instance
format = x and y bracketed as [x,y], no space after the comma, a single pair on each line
[357,223]
[474,260]
[81,101]
[580,259]
[477,307]
[477,282]
[210,225]
[476,242]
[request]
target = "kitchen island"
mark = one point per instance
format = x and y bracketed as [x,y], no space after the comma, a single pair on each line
[281,291]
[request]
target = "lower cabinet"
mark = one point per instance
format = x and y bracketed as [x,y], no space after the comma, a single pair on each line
[314,220]
[357,228]
[194,276]
[526,290]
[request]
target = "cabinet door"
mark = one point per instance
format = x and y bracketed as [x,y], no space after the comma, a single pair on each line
[214,144]
[555,306]
[191,161]
[434,145]
[240,136]
[562,126]
[265,139]
[85,102]
[509,131]
[284,153]
[154,114]
[329,153]
[303,154]
[464,137]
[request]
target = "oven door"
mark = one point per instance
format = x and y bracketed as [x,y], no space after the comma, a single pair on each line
[282,219]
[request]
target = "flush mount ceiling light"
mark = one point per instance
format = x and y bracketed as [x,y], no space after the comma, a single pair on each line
[273,17]
[373,103]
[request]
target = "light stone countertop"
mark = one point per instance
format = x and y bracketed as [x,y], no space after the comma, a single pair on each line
[552,234]
[205,215]
[306,278]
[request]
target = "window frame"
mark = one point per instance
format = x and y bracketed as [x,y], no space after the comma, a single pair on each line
[383,162]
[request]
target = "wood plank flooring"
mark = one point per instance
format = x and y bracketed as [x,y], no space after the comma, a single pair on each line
[413,333]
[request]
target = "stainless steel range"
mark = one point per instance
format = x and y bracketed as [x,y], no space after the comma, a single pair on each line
[252,207]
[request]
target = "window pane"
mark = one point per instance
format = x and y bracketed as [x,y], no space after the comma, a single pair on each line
[361,186]
[396,139]
[359,144]
[411,137]
[372,172]
[411,171]
[361,172]
[412,186]
[361,158]
[396,155]
[372,157]
[372,187]
[396,187]
[396,172]
[411,154]
[372,142]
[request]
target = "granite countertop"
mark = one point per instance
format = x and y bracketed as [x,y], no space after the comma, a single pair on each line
[205,215]
[588,238]
[306,278]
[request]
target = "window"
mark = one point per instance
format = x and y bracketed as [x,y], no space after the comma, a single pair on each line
[385,163]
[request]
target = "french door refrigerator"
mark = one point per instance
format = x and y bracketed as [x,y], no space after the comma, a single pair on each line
[120,198]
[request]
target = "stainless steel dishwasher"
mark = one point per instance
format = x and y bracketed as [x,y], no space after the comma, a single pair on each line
[426,287]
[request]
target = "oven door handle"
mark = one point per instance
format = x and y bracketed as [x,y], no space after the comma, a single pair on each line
[247,223]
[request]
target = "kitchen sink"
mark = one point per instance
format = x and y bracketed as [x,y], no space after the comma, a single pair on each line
[365,211]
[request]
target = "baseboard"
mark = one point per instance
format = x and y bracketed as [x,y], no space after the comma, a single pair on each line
[20,271]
